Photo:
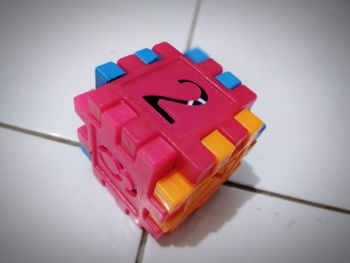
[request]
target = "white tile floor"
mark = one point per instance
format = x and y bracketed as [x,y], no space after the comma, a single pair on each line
[238,226]
[294,54]
[54,210]
[49,50]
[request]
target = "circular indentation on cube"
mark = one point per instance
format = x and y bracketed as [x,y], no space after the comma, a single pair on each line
[117,170]
[110,162]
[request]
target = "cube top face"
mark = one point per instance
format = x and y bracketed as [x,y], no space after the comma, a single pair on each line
[180,100]
[164,131]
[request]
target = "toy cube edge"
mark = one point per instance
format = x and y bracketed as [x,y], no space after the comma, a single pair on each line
[164,130]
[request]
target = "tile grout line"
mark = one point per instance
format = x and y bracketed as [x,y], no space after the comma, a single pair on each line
[253,189]
[39,134]
[287,197]
[141,248]
[193,24]
[227,183]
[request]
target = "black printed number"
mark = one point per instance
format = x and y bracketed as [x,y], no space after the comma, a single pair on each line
[154,100]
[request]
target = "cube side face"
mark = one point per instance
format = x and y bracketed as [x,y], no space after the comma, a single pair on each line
[166,134]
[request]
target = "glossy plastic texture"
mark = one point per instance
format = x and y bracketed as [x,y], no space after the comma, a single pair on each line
[165,135]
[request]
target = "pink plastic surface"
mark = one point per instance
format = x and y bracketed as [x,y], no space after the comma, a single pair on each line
[132,146]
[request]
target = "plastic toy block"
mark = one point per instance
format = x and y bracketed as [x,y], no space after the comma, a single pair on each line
[165,131]
[251,122]
[229,80]
[173,190]
[147,55]
[107,72]
[219,146]
[196,55]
